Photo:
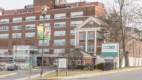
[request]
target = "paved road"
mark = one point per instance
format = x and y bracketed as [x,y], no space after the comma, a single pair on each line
[23,73]
[128,75]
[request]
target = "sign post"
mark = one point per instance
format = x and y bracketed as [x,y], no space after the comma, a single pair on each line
[30,66]
[62,63]
[110,50]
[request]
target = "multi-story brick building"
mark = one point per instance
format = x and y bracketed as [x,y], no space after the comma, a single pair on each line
[19,27]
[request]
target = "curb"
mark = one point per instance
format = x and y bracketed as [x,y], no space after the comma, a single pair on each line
[98,74]
[7,75]
[37,75]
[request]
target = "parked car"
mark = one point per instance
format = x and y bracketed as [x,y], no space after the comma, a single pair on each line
[2,67]
[12,66]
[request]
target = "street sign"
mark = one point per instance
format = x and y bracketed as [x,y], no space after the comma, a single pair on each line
[31,64]
[62,63]
[110,49]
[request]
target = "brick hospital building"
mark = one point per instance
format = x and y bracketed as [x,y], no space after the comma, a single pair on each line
[19,27]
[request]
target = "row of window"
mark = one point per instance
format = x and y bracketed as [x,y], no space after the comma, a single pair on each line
[56,42]
[90,36]
[17,35]
[58,51]
[32,26]
[32,34]
[47,17]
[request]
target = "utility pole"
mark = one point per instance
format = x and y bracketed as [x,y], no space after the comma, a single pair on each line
[43,14]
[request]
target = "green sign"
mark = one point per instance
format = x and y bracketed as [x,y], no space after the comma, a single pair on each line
[31,64]
[110,49]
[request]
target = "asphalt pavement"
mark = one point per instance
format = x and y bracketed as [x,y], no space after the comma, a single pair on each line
[126,75]
[24,73]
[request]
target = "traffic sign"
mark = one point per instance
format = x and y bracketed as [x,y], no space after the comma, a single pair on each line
[31,64]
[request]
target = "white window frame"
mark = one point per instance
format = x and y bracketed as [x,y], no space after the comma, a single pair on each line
[31,18]
[76,14]
[59,42]
[4,28]
[19,35]
[16,20]
[17,27]
[40,43]
[82,46]
[75,23]
[82,37]
[4,36]
[91,35]
[92,48]
[59,33]
[57,51]
[72,32]
[46,24]
[72,42]
[47,17]
[30,34]
[60,24]
[4,21]
[31,26]
[60,16]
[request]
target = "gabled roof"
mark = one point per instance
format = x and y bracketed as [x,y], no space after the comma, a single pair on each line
[98,21]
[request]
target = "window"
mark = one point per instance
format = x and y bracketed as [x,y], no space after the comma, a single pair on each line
[60,24]
[82,36]
[16,35]
[31,34]
[72,41]
[46,42]
[31,18]
[46,51]
[75,23]
[76,14]
[91,23]
[2,51]
[60,16]
[58,51]
[59,33]
[59,42]
[40,42]
[91,35]
[46,24]
[17,19]
[100,35]
[2,21]
[90,48]
[4,28]
[72,32]
[47,17]
[2,36]
[82,47]
[31,26]
[18,27]
[40,51]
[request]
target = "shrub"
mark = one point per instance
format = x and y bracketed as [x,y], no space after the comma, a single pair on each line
[81,66]
[100,66]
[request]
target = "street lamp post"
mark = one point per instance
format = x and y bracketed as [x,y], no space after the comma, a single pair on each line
[43,14]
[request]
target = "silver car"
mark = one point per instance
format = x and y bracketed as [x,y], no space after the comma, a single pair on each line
[2,66]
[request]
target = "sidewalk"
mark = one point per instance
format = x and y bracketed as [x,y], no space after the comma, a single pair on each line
[91,74]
